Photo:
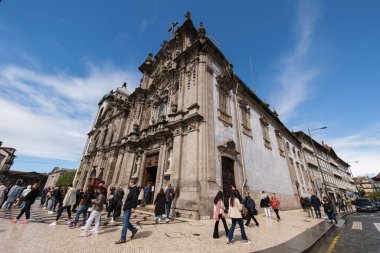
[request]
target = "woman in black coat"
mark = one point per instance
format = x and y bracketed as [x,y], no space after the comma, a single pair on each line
[160,205]
[29,201]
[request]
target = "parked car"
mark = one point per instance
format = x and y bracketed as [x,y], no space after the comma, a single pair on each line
[377,205]
[364,204]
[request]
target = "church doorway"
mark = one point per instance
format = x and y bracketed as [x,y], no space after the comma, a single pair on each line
[228,178]
[149,177]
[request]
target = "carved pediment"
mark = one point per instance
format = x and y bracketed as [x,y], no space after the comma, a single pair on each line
[228,147]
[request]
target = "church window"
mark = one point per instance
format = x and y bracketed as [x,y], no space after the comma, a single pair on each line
[280,142]
[224,107]
[265,131]
[245,117]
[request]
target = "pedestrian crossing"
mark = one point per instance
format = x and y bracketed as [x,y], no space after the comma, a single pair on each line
[357,225]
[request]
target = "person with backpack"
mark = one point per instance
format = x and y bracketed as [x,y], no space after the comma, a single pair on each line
[310,212]
[96,212]
[170,194]
[28,200]
[265,204]
[329,210]
[249,203]
[275,203]
[13,194]
[316,203]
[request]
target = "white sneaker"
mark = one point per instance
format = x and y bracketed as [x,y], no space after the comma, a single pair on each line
[50,212]
[44,207]
[246,226]
[83,227]
[68,222]
[53,223]
[93,230]
[84,234]
[95,233]
[247,242]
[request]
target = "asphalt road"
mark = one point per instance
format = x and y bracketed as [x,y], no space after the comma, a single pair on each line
[360,234]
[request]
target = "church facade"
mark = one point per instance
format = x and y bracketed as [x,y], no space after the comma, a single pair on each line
[195,124]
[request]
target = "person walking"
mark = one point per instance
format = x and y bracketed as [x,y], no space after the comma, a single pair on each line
[48,198]
[111,203]
[249,203]
[219,214]
[159,203]
[129,207]
[23,195]
[118,199]
[147,193]
[96,212]
[234,212]
[141,197]
[265,204]
[275,203]
[316,203]
[13,194]
[68,202]
[3,192]
[83,207]
[170,194]
[302,202]
[329,210]
[56,198]
[310,212]
[349,205]
[79,197]
[29,199]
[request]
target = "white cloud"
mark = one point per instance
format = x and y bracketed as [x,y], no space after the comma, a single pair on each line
[45,115]
[296,74]
[364,147]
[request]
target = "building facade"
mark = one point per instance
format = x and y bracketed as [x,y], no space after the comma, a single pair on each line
[54,175]
[336,173]
[195,124]
[7,156]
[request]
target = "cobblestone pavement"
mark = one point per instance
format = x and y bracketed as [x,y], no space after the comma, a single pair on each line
[179,236]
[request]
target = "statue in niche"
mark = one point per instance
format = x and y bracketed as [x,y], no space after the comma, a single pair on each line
[136,165]
[170,162]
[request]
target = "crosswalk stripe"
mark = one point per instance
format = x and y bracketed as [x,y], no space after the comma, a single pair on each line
[377,225]
[357,225]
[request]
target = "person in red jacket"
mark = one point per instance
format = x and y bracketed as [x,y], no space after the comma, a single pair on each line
[275,203]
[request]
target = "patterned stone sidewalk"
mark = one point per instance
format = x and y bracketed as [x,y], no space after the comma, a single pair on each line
[178,236]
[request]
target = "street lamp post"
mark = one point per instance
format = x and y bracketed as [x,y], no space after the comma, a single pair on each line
[316,156]
[349,167]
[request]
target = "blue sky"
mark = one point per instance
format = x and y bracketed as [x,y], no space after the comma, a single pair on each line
[316,62]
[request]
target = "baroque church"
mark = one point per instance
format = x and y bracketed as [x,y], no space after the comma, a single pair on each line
[194,124]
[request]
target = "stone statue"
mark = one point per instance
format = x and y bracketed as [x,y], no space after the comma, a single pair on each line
[136,165]
[170,162]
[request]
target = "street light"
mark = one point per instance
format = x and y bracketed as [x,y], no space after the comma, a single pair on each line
[316,156]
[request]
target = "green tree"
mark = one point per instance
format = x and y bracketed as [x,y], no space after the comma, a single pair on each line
[66,179]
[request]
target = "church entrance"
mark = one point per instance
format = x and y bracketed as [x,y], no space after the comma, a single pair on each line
[228,178]
[149,177]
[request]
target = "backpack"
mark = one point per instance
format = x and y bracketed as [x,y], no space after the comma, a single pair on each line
[170,194]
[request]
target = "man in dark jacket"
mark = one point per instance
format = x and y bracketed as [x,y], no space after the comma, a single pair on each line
[316,203]
[129,207]
[249,203]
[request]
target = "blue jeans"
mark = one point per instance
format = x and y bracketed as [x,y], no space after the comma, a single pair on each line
[331,216]
[241,225]
[168,205]
[127,225]
[82,209]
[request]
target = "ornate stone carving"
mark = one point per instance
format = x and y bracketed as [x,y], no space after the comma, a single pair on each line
[229,147]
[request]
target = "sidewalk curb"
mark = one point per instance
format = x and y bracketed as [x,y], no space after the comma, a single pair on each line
[309,249]
[305,241]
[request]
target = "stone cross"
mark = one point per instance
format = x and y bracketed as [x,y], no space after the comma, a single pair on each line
[171,29]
